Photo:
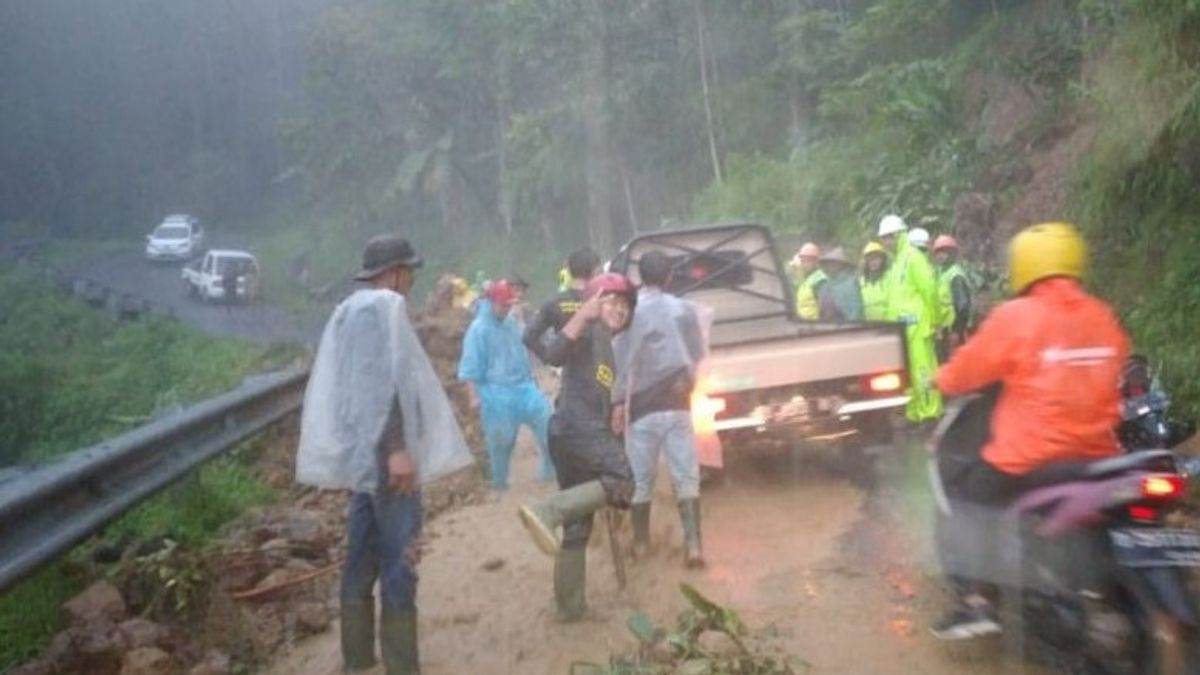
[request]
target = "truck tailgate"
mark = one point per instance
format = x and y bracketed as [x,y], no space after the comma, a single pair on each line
[804,356]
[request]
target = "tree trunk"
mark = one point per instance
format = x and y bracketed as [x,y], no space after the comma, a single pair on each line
[701,29]
[503,115]
[598,170]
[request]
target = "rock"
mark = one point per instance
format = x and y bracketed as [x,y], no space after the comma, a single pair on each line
[147,661]
[214,663]
[717,644]
[98,647]
[695,667]
[39,667]
[99,602]
[304,527]
[241,577]
[493,564]
[312,617]
[299,566]
[139,633]
[276,544]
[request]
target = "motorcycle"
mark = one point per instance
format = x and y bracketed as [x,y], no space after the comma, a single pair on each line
[1087,562]
[1145,406]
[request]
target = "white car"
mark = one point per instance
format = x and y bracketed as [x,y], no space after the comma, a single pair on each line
[179,237]
[207,279]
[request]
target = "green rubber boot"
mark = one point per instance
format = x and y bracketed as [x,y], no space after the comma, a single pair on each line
[398,642]
[543,518]
[358,636]
[640,516]
[570,580]
[689,516]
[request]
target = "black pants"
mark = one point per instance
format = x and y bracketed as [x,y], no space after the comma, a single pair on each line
[579,459]
[978,541]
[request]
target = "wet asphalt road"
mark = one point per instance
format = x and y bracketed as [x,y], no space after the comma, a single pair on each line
[161,283]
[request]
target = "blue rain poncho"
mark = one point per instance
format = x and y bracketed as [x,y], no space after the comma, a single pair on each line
[495,360]
[370,357]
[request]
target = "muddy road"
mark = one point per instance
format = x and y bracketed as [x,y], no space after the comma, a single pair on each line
[839,578]
[161,283]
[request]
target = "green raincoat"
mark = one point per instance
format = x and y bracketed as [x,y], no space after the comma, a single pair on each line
[912,297]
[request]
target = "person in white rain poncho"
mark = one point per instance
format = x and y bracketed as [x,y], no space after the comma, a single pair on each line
[376,421]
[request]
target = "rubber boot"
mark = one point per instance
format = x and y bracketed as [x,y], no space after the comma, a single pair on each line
[640,516]
[358,636]
[541,519]
[570,580]
[689,516]
[398,642]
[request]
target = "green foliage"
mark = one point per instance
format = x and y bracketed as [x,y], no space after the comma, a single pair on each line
[1135,189]
[29,612]
[70,376]
[681,650]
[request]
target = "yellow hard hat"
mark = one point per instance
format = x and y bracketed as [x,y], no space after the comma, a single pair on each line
[1045,250]
[874,247]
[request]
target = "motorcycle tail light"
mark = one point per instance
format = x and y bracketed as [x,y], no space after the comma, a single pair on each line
[1163,486]
[1143,513]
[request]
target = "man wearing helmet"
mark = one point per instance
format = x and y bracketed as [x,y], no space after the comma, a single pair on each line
[953,283]
[499,380]
[1057,353]
[912,299]
[592,468]
[812,278]
[871,283]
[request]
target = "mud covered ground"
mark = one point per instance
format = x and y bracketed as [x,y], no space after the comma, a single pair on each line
[816,566]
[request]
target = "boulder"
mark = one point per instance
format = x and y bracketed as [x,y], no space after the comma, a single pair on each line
[99,602]
[214,663]
[138,633]
[147,661]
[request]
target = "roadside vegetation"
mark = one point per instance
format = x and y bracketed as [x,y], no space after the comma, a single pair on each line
[71,376]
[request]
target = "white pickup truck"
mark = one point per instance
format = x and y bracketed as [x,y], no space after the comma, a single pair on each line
[206,279]
[772,380]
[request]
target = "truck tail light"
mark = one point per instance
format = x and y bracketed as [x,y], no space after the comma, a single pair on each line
[884,383]
[705,409]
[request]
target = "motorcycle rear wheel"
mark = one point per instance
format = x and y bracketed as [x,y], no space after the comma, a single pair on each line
[1166,645]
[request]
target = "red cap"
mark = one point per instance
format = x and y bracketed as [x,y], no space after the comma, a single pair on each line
[501,292]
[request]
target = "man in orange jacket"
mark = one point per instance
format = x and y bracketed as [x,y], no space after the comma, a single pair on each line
[1057,352]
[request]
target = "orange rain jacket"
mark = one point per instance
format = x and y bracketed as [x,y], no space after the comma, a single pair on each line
[1058,352]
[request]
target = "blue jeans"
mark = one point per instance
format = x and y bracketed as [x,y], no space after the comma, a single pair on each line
[380,529]
[668,432]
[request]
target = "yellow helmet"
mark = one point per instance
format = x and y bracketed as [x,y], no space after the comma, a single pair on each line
[1045,250]
[874,247]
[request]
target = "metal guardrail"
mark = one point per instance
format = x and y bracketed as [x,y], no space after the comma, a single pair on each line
[121,305]
[46,511]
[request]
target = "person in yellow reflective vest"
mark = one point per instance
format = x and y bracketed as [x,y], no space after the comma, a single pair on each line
[807,260]
[872,282]
[919,238]
[912,298]
[955,284]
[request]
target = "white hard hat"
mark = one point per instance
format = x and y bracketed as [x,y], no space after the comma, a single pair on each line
[919,237]
[891,224]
